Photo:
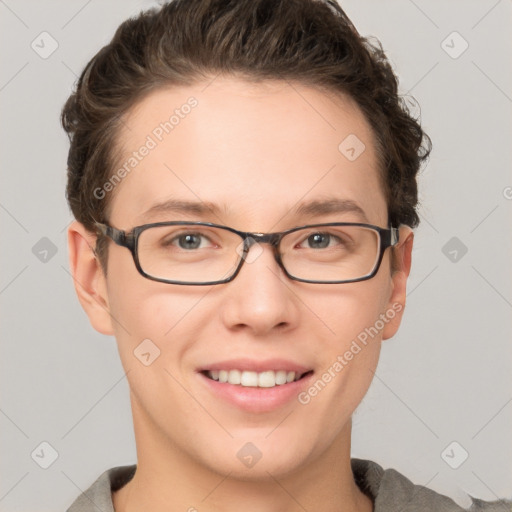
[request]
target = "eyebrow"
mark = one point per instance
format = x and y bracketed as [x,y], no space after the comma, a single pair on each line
[201,208]
[315,208]
[328,206]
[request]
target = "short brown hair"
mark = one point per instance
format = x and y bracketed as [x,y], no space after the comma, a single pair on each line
[312,42]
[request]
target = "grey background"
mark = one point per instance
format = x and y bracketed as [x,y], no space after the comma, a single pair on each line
[445,377]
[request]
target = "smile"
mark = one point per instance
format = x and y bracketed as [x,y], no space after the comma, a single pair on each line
[265,379]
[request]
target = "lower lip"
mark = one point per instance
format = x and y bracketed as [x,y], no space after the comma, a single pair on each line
[256,399]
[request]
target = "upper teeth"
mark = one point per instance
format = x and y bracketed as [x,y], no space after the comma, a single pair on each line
[267,379]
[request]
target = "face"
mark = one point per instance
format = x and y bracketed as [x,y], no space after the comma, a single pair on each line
[254,154]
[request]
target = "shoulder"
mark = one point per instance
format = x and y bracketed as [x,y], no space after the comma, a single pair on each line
[390,491]
[99,495]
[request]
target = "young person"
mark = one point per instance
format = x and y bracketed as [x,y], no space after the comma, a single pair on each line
[243,178]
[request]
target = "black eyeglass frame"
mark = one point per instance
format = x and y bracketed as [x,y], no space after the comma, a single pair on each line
[388,238]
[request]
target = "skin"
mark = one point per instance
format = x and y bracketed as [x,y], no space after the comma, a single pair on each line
[256,150]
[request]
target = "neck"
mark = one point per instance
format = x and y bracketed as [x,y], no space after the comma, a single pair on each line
[167,479]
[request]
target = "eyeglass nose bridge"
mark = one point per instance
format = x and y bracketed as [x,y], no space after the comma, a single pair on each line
[251,239]
[273,239]
[262,238]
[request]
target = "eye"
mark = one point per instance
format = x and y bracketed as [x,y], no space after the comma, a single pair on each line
[321,240]
[187,241]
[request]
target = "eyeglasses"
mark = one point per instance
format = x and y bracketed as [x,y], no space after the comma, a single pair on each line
[202,253]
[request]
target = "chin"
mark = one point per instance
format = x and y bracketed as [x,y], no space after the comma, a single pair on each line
[258,456]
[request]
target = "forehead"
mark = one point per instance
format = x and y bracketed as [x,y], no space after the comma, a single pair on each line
[254,152]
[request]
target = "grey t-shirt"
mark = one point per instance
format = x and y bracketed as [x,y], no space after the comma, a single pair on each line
[389,490]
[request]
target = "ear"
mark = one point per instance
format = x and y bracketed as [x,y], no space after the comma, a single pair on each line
[89,279]
[396,304]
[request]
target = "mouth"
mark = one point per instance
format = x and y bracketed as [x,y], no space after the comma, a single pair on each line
[265,379]
[253,386]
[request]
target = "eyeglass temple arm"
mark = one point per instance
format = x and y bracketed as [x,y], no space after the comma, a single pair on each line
[391,237]
[118,236]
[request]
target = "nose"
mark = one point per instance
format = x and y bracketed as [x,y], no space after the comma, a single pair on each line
[260,299]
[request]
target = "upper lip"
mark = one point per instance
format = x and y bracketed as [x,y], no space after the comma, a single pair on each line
[252,365]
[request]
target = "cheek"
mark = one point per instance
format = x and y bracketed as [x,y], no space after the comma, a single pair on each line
[150,317]
[139,306]
[161,325]
[157,326]
[352,312]
[348,354]
[167,320]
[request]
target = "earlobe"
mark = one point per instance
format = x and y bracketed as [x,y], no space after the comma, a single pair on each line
[396,303]
[88,278]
